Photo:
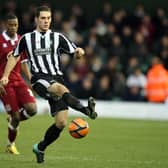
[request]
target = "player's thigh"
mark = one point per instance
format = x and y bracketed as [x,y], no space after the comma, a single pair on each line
[10,100]
[25,95]
[56,106]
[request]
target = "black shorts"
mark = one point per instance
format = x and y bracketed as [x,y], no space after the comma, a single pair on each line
[40,83]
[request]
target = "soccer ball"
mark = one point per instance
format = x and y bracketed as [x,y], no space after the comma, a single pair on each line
[78,128]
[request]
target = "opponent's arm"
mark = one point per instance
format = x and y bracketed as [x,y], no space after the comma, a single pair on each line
[13,58]
[2,90]
[8,68]
[25,70]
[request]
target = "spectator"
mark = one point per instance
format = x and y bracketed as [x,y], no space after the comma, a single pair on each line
[106,12]
[104,92]
[157,82]
[135,85]
[57,20]
[140,49]
[132,63]
[117,80]
[87,86]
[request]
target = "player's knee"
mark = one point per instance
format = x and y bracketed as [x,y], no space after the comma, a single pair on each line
[63,90]
[61,124]
[31,109]
[58,89]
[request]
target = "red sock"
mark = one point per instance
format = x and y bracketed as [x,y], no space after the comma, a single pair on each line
[12,133]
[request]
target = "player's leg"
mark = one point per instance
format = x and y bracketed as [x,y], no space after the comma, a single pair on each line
[11,105]
[59,111]
[27,101]
[58,89]
[13,126]
[54,87]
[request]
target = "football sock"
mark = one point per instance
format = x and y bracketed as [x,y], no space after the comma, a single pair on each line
[51,135]
[23,114]
[12,133]
[74,103]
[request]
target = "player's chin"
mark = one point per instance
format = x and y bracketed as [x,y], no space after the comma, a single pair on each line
[45,28]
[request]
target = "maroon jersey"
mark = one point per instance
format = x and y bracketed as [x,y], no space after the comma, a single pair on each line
[6,45]
[17,91]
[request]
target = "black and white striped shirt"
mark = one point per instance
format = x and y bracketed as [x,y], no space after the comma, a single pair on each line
[44,50]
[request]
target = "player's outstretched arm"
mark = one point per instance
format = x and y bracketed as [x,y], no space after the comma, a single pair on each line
[8,68]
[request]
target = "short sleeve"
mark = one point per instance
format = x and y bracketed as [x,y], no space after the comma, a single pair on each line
[23,57]
[21,47]
[66,45]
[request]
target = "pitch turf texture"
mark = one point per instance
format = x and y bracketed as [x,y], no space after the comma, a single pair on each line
[111,143]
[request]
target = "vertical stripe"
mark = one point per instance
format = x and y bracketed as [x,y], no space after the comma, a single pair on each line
[30,53]
[56,53]
[34,43]
[49,40]
[59,57]
[40,57]
[43,46]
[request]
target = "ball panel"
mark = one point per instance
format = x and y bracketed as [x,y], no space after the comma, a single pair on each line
[80,122]
[75,135]
[73,126]
[84,131]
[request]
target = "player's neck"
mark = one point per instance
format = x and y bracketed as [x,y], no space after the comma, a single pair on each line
[41,31]
[11,35]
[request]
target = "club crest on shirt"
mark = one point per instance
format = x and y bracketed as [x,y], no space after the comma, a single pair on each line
[4,45]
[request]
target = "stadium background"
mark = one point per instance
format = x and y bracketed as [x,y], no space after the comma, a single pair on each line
[129,4]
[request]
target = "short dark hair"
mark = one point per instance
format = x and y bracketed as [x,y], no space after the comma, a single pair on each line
[40,9]
[10,16]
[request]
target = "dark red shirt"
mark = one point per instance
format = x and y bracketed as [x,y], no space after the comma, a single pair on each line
[6,45]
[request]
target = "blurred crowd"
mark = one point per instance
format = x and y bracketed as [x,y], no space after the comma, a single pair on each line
[121,47]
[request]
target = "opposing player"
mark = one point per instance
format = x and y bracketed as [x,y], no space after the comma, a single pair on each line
[44,49]
[16,96]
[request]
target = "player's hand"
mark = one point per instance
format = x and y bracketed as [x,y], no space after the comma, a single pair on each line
[4,81]
[2,90]
[79,52]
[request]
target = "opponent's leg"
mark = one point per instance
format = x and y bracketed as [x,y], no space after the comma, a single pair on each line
[11,105]
[28,111]
[27,101]
[13,123]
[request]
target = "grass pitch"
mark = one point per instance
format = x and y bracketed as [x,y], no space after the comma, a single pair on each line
[111,143]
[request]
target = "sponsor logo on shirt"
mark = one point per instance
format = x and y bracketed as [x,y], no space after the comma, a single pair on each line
[42,51]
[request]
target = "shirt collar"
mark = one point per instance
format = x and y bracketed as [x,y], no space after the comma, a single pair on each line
[7,38]
[48,31]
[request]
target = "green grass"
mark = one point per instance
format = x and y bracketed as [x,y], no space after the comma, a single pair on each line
[111,143]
